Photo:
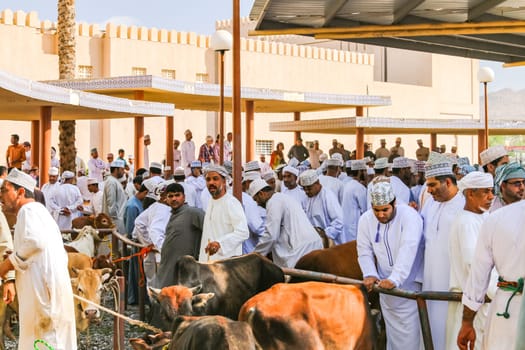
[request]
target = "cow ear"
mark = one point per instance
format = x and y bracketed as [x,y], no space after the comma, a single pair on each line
[201,300]
[196,289]
[153,293]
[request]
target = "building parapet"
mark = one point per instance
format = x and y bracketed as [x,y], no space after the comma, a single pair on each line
[121,31]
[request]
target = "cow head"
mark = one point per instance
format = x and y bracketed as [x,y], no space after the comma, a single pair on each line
[157,341]
[180,300]
[104,261]
[103,221]
[88,284]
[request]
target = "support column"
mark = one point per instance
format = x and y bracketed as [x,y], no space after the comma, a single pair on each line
[139,135]
[169,145]
[433,141]
[481,143]
[236,101]
[359,136]
[45,143]
[296,134]
[35,143]
[250,153]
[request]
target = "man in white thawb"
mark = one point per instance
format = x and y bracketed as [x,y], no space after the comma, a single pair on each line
[96,166]
[197,182]
[50,188]
[150,228]
[509,185]
[401,174]
[500,245]
[225,226]
[291,188]
[354,199]
[390,255]
[114,198]
[46,308]
[438,214]
[288,234]
[68,200]
[322,207]
[477,187]
[331,180]
[187,152]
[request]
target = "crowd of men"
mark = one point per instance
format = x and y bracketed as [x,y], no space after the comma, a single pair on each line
[420,224]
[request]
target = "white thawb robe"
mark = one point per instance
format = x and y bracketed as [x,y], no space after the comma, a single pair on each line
[146,157]
[67,196]
[130,190]
[49,194]
[397,248]
[287,234]
[438,218]
[501,245]
[265,168]
[296,193]
[199,185]
[176,159]
[497,203]
[225,223]
[114,201]
[96,167]
[95,204]
[150,228]
[323,211]
[354,205]
[42,281]
[189,193]
[82,186]
[462,243]
[333,184]
[256,219]
[187,149]
[401,190]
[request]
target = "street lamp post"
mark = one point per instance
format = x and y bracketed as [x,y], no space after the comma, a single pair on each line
[221,41]
[486,75]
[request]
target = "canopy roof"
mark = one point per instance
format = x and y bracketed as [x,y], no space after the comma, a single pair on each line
[206,97]
[21,99]
[385,126]
[483,29]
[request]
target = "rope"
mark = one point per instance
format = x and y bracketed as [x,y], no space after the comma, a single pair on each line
[514,287]
[140,255]
[125,318]
[40,341]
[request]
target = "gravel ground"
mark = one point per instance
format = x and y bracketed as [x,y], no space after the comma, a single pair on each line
[100,335]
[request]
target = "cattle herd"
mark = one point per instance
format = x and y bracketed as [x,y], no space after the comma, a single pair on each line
[236,303]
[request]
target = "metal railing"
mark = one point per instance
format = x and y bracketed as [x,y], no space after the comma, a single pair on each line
[419,297]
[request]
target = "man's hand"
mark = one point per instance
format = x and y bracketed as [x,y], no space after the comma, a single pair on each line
[9,291]
[212,248]
[466,336]
[369,282]
[386,284]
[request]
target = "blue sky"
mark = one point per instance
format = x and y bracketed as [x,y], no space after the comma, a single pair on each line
[196,16]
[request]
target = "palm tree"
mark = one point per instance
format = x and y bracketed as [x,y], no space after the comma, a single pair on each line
[66,65]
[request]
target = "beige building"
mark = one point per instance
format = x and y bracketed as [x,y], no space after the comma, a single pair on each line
[420,86]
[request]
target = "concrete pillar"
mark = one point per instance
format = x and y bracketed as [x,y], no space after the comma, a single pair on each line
[35,143]
[250,153]
[433,141]
[139,135]
[297,134]
[359,136]
[45,143]
[169,144]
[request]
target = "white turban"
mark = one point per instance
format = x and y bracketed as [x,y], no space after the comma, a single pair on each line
[476,179]
[291,170]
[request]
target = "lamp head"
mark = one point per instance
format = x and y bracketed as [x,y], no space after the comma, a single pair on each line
[485,75]
[221,40]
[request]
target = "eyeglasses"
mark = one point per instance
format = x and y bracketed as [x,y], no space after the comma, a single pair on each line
[516,183]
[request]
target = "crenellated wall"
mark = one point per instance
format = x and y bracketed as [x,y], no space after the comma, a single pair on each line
[29,49]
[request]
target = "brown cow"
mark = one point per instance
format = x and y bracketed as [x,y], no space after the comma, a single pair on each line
[77,261]
[211,332]
[151,342]
[88,284]
[101,221]
[340,260]
[310,315]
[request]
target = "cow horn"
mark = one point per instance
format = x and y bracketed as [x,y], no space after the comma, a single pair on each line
[196,289]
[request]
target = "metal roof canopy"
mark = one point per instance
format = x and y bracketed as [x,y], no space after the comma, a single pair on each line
[483,29]
[21,99]
[206,97]
[385,126]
